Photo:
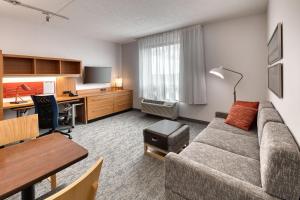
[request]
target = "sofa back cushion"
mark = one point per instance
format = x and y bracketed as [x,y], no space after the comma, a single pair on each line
[266,115]
[265,104]
[280,162]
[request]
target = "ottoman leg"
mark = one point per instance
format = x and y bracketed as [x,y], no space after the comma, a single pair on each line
[145,148]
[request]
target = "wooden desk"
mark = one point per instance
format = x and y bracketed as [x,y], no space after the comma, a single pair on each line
[29,103]
[22,165]
[60,100]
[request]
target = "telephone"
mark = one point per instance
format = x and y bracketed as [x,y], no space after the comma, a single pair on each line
[71,94]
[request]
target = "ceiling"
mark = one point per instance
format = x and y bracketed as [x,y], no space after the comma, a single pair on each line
[124,20]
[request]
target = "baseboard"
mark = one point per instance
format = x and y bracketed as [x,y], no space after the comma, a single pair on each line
[184,118]
[194,120]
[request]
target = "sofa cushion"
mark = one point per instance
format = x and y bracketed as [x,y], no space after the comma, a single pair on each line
[219,123]
[243,168]
[266,115]
[241,117]
[235,143]
[280,162]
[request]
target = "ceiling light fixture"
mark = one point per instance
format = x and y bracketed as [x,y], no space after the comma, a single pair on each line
[48,14]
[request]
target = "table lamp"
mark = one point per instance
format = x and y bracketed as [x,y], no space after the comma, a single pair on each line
[119,83]
[23,87]
[219,72]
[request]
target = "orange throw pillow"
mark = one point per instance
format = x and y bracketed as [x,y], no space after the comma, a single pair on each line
[247,104]
[241,117]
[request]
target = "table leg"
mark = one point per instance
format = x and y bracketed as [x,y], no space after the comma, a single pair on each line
[73,114]
[28,193]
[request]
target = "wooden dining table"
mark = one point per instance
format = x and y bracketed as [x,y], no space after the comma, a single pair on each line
[25,164]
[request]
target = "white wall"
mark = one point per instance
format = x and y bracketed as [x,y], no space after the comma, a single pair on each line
[130,69]
[20,37]
[288,12]
[239,44]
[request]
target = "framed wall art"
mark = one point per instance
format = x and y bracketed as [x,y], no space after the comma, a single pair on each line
[275,45]
[275,79]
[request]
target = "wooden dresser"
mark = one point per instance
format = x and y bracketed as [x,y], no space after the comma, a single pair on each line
[102,103]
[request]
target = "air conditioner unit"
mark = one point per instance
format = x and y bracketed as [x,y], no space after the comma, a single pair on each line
[160,108]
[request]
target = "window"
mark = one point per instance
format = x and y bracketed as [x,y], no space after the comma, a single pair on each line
[171,66]
[159,75]
[165,69]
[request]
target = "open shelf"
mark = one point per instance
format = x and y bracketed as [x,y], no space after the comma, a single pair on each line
[70,67]
[17,65]
[47,66]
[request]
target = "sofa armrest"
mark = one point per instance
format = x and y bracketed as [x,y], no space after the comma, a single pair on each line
[221,115]
[192,180]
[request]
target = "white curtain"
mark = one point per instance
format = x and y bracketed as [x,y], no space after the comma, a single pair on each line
[192,66]
[159,66]
[171,66]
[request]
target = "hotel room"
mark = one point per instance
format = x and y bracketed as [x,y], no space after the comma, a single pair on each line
[149,99]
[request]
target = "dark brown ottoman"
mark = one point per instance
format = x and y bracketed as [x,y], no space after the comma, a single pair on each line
[166,136]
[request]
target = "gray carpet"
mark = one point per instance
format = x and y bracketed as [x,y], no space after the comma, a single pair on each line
[127,173]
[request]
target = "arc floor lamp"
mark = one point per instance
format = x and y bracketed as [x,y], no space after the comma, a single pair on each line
[219,72]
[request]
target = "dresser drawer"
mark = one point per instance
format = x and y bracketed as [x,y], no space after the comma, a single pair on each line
[100,112]
[100,98]
[122,101]
[123,93]
[99,106]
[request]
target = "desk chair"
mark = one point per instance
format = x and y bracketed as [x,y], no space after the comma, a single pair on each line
[21,129]
[49,117]
[84,188]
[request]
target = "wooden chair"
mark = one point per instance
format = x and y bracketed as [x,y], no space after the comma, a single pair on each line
[21,129]
[84,188]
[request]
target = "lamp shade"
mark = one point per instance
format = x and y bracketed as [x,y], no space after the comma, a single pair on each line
[218,71]
[25,87]
[119,82]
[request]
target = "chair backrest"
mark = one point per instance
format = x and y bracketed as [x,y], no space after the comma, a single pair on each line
[84,188]
[17,129]
[47,109]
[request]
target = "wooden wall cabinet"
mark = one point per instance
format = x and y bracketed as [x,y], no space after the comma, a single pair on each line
[18,65]
[108,103]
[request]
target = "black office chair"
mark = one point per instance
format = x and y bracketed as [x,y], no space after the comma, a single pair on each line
[48,114]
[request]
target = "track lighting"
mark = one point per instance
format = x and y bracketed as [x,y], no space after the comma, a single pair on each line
[48,14]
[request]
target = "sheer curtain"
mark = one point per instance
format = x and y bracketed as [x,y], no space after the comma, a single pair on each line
[192,66]
[159,66]
[171,66]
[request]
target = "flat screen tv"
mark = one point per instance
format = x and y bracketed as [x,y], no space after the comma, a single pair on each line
[97,74]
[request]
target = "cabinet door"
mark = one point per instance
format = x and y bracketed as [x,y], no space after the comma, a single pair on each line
[99,106]
[122,101]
